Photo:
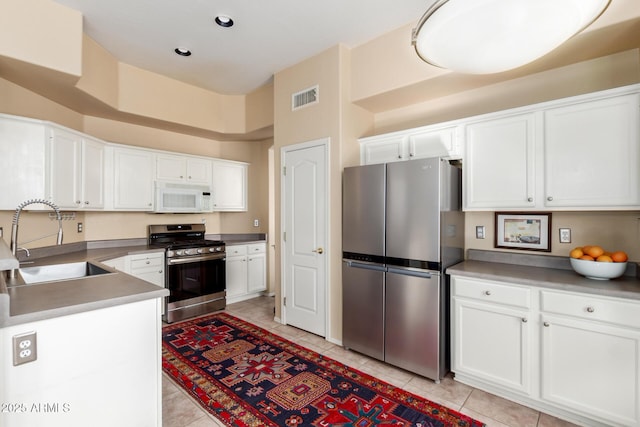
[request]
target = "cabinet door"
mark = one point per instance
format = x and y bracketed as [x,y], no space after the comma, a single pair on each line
[22,161]
[499,170]
[199,171]
[133,175]
[257,272]
[93,173]
[435,143]
[492,343]
[229,186]
[171,168]
[591,368]
[384,151]
[236,276]
[65,168]
[592,154]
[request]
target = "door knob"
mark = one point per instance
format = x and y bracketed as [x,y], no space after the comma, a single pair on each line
[319,250]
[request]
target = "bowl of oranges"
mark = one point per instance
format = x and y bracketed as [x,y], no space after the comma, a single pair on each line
[593,262]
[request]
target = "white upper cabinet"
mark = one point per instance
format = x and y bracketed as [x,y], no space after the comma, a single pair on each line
[580,153]
[592,153]
[176,168]
[229,189]
[429,141]
[22,161]
[500,167]
[76,170]
[133,176]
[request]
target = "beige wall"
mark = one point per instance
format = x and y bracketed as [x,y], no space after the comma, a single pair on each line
[611,230]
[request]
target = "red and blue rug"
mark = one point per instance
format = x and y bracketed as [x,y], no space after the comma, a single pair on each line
[246,376]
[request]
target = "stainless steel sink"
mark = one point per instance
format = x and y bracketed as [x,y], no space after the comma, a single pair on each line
[55,272]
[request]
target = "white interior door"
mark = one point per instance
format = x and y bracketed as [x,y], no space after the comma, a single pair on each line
[304,218]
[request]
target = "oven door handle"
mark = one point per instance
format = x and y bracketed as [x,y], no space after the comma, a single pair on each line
[186,260]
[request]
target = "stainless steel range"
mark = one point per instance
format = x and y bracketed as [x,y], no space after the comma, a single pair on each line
[195,270]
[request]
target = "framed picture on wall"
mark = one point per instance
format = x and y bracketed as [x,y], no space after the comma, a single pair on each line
[523,230]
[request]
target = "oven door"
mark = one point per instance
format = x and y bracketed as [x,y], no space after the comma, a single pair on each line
[196,284]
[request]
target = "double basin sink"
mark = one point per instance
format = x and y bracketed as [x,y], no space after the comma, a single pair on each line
[58,272]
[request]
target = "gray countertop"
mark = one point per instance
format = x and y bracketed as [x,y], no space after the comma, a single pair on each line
[552,272]
[29,303]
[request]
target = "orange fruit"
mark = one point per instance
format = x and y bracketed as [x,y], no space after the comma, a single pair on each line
[576,253]
[586,248]
[594,251]
[587,257]
[604,258]
[619,256]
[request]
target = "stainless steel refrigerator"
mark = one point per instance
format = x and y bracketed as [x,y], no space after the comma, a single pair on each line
[402,227]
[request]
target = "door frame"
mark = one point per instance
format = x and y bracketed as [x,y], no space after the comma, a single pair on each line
[325,143]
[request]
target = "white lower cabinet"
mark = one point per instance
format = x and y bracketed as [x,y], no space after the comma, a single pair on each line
[145,266]
[568,354]
[246,268]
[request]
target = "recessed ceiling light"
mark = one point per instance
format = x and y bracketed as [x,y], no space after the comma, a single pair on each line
[224,21]
[182,51]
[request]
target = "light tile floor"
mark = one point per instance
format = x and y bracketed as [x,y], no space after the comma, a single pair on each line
[180,410]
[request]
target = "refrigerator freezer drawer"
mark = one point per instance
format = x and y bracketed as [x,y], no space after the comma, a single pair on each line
[363,309]
[413,338]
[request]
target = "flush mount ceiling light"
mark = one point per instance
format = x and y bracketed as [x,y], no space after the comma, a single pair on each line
[224,21]
[491,36]
[182,51]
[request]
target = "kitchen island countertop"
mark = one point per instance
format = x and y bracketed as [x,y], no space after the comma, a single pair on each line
[552,273]
[29,303]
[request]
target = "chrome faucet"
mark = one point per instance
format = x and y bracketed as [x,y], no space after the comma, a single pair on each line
[16,219]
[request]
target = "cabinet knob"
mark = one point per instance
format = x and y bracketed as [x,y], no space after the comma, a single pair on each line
[147,262]
[550,198]
[78,202]
[410,154]
[399,156]
[160,271]
[487,293]
[530,199]
[525,320]
[181,176]
[590,309]
[546,324]
[86,203]
[189,176]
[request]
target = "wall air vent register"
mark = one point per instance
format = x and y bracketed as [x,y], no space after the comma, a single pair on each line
[306,97]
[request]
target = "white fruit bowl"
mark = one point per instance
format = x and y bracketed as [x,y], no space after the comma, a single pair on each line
[598,270]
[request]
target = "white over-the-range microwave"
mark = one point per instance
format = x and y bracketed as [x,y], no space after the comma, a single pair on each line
[182,198]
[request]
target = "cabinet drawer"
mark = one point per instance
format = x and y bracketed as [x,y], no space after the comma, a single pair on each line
[591,307]
[256,248]
[236,250]
[147,261]
[493,292]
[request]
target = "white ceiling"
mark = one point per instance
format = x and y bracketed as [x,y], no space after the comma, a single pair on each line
[268,35]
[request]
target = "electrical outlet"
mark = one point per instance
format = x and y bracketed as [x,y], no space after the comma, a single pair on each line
[565,235]
[79,227]
[24,348]
[256,223]
[480,232]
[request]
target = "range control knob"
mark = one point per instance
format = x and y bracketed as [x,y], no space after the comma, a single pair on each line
[212,249]
[180,252]
[200,251]
[190,252]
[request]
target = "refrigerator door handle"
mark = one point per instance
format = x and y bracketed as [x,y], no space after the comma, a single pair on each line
[407,272]
[375,267]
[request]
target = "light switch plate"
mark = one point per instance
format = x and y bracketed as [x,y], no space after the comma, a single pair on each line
[565,235]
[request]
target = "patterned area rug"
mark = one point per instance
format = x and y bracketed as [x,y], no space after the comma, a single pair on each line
[246,376]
